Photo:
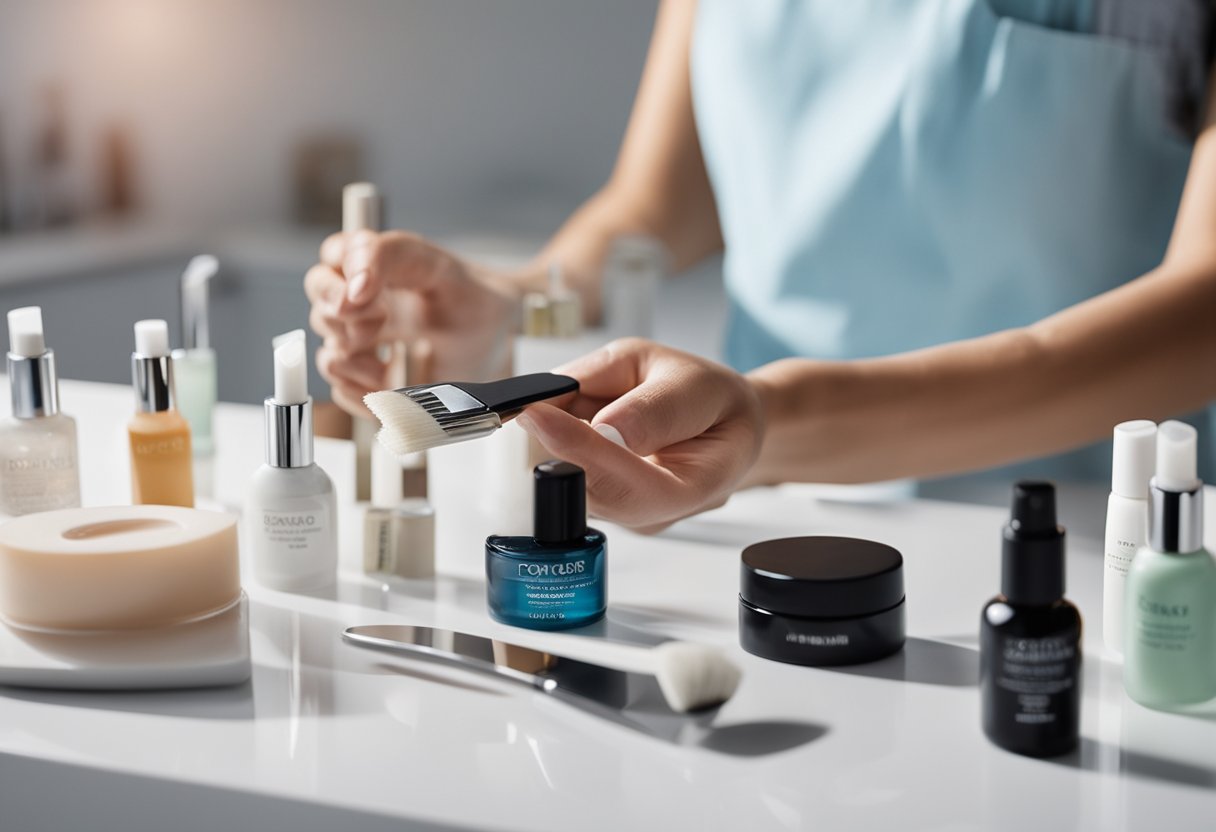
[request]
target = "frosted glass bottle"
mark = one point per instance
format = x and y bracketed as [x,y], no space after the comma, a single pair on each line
[1170,628]
[194,365]
[195,381]
[38,468]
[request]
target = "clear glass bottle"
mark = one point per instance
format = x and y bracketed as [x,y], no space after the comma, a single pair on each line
[38,463]
[1169,612]
[557,578]
[291,507]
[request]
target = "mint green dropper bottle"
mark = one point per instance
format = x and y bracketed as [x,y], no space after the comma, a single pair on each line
[1170,600]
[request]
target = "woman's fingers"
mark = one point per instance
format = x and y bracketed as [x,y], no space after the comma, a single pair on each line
[324,286]
[333,250]
[652,398]
[393,260]
[621,486]
[363,371]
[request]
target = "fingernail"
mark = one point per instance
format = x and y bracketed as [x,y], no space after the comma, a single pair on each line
[356,261]
[611,434]
[532,427]
[357,284]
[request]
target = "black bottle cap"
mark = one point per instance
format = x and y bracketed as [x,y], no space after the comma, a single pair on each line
[560,512]
[1032,557]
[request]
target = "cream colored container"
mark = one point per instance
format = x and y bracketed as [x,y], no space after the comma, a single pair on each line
[117,568]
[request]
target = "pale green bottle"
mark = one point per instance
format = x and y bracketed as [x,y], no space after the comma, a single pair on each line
[194,365]
[1169,639]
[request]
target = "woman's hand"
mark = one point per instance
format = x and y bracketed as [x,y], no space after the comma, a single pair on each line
[371,289]
[670,434]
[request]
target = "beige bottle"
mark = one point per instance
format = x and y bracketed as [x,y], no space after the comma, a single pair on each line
[161,462]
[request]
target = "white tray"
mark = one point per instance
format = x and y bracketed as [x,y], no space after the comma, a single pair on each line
[205,653]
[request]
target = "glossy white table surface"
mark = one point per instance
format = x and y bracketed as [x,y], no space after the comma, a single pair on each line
[328,736]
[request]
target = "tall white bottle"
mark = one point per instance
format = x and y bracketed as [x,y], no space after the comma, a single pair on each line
[291,508]
[363,210]
[38,468]
[1135,459]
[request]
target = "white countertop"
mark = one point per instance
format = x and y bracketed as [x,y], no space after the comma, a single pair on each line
[329,736]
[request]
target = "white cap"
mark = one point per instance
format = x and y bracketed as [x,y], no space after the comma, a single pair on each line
[360,207]
[1177,457]
[25,332]
[279,340]
[1135,458]
[152,338]
[290,369]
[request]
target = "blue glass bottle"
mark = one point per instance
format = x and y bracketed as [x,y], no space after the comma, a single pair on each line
[556,579]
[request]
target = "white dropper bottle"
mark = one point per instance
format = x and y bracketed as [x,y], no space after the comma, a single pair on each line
[1135,457]
[291,508]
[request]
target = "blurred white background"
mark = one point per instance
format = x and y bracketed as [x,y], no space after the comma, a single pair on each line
[137,133]
[471,114]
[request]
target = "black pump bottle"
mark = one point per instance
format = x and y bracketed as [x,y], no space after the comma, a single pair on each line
[1030,637]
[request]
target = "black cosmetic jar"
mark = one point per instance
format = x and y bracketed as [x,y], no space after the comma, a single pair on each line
[821,600]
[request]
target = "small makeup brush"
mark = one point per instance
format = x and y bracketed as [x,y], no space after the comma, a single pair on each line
[428,415]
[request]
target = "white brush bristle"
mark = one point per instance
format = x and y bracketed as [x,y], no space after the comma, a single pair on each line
[694,676]
[406,427]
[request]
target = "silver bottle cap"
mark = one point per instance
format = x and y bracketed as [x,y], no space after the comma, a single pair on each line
[1175,520]
[288,434]
[34,385]
[153,382]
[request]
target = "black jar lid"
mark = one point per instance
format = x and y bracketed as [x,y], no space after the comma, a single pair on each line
[822,577]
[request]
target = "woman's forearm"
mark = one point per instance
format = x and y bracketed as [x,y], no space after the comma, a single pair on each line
[659,186]
[1145,350]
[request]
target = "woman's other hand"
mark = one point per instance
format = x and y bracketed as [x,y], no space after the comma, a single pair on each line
[385,288]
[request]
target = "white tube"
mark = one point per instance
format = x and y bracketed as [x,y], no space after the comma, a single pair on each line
[1135,457]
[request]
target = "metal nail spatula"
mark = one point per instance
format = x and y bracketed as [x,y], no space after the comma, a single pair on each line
[688,677]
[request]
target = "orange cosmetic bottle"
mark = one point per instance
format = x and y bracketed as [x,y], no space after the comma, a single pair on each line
[161,462]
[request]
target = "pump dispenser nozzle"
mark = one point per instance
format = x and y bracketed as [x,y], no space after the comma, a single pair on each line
[1175,508]
[152,368]
[560,513]
[196,331]
[1032,562]
[33,380]
[289,442]
[25,337]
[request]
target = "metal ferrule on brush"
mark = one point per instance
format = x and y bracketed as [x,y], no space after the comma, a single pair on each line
[153,382]
[34,385]
[288,434]
[460,415]
[1175,519]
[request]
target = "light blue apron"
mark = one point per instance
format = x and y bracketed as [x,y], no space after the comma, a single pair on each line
[894,174]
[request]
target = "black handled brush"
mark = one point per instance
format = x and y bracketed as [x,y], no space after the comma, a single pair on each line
[425,416]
